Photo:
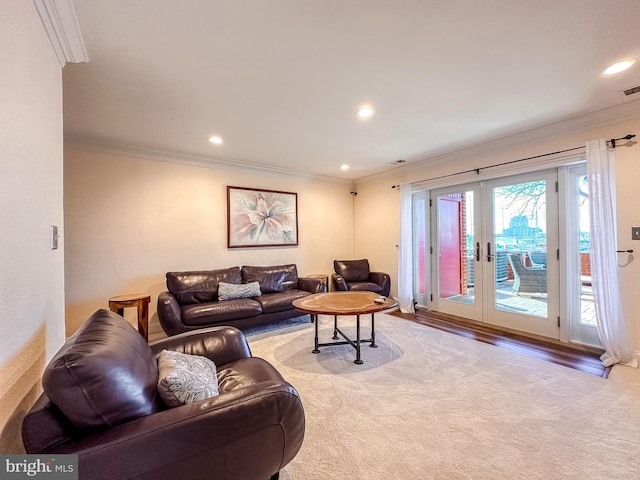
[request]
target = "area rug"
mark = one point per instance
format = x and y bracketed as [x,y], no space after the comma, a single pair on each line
[428,404]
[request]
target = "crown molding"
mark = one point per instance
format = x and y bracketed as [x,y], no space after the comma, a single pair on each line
[183,158]
[597,119]
[60,22]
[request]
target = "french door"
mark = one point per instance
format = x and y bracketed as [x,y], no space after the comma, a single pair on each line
[494,252]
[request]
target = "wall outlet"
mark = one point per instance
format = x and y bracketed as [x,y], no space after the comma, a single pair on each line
[635,233]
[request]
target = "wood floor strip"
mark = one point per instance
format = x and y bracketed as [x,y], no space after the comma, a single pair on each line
[582,358]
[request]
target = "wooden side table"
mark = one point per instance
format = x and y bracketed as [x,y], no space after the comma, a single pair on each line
[139,300]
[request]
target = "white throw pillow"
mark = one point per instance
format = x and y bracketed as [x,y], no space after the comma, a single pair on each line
[184,378]
[230,291]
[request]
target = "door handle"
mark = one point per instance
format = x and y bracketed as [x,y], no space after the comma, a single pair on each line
[489,252]
[477,251]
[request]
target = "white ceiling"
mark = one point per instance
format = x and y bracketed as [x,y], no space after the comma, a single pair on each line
[280,80]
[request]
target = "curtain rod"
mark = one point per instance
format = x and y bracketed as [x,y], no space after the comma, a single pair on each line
[612,142]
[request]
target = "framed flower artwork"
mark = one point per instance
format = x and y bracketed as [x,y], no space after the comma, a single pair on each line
[261,218]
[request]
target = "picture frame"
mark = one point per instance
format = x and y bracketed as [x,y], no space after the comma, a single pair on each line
[261,218]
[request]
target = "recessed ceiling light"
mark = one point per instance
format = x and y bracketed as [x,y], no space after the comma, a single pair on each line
[344,167]
[215,139]
[364,112]
[620,66]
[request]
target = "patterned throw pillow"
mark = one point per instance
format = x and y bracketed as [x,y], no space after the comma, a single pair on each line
[230,291]
[185,378]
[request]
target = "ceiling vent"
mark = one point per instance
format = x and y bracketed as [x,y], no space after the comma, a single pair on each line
[631,91]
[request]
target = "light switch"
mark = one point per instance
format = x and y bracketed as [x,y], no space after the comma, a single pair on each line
[54,237]
[635,233]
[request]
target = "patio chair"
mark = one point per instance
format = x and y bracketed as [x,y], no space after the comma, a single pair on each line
[538,259]
[527,279]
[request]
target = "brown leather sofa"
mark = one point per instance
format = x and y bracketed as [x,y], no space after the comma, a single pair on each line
[355,275]
[192,302]
[101,403]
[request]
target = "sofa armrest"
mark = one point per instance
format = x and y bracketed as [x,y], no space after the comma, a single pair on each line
[221,344]
[170,314]
[44,426]
[311,284]
[382,279]
[339,283]
[201,437]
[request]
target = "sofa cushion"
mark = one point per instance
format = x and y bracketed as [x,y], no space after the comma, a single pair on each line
[231,291]
[185,379]
[200,286]
[104,374]
[272,279]
[365,287]
[352,270]
[280,301]
[219,312]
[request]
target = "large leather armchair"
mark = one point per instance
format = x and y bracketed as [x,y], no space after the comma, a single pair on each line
[355,275]
[101,403]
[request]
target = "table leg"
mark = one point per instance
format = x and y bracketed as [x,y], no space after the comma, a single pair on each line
[357,361]
[335,327]
[314,319]
[373,332]
[143,319]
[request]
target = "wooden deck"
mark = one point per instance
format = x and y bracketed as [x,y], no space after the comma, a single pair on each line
[532,303]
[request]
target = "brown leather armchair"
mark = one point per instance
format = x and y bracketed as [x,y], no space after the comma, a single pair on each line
[355,275]
[101,403]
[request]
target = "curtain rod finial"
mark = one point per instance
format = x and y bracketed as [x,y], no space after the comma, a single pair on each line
[626,137]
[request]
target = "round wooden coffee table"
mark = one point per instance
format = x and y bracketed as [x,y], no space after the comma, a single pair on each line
[343,304]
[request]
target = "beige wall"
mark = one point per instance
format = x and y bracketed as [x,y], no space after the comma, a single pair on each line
[377,204]
[131,220]
[377,227]
[31,274]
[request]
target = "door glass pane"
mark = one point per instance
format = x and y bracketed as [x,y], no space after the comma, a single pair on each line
[587,308]
[456,243]
[419,215]
[520,248]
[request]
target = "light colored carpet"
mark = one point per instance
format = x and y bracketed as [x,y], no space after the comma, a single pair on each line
[428,404]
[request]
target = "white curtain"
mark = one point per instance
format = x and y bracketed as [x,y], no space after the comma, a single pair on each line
[612,328]
[405,251]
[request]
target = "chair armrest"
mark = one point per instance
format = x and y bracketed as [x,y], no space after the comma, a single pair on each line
[204,435]
[311,284]
[44,426]
[221,344]
[170,314]
[339,283]
[382,279]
